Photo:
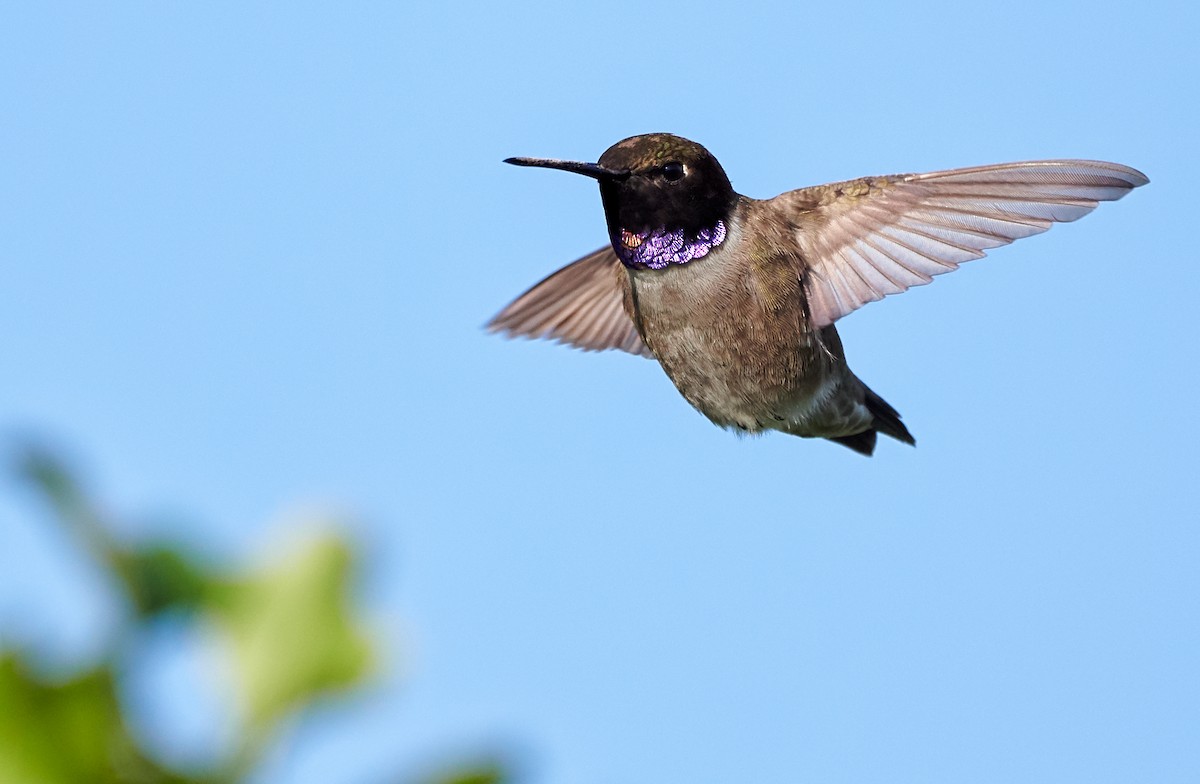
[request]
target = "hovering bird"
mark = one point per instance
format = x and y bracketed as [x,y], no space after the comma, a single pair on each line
[737,297]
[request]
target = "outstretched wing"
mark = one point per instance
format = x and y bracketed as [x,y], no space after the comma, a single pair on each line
[864,239]
[581,304]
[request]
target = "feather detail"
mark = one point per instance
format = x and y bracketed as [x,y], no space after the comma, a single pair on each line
[864,239]
[581,304]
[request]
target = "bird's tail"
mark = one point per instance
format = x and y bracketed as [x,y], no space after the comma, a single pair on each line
[887,421]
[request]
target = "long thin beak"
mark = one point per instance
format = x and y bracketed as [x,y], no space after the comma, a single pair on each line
[594,170]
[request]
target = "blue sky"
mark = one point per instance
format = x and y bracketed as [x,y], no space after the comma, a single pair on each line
[246,251]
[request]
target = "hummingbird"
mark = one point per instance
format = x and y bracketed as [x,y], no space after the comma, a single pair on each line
[737,297]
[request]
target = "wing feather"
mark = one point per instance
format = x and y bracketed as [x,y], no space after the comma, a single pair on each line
[864,239]
[580,304]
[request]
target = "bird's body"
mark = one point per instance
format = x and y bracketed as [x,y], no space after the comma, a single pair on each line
[730,330]
[736,297]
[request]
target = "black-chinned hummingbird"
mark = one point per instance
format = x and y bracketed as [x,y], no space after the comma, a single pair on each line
[737,297]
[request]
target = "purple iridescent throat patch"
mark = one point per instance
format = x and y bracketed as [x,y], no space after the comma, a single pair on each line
[659,248]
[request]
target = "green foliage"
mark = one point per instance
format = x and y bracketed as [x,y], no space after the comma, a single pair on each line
[289,625]
[483,773]
[291,630]
[155,577]
[65,733]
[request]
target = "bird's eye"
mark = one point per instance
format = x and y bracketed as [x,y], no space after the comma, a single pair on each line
[674,171]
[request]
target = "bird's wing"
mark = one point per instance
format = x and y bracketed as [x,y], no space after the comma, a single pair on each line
[581,304]
[864,239]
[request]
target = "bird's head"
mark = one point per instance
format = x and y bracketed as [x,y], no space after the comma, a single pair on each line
[655,182]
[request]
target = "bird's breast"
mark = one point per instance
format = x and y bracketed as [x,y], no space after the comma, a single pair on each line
[730,331]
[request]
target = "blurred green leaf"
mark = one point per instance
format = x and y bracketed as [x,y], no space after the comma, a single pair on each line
[290,625]
[155,578]
[66,733]
[161,578]
[47,474]
[292,630]
[484,773]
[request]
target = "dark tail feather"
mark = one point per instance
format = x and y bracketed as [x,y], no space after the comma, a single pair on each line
[863,443]
[887,421]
